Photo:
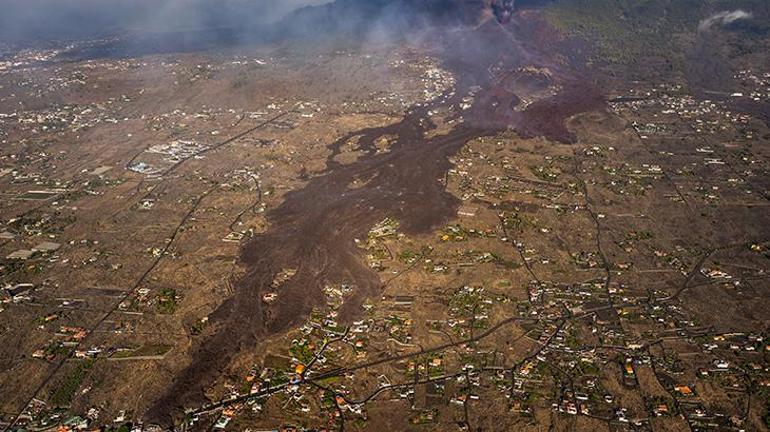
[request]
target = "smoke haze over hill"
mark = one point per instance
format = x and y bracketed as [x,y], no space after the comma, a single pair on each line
[42,20]
[27,22]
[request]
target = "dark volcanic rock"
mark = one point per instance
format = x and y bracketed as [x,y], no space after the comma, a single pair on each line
[313,230]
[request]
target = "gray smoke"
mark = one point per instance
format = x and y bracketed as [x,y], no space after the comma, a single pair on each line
[23,21]
[142,27]
[723,18]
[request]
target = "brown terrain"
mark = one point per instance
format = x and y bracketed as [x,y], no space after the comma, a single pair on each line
[392,215]
[314,227]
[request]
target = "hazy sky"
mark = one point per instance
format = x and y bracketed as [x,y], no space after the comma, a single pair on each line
[45,19]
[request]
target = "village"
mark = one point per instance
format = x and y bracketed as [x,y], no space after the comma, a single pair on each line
[618,283]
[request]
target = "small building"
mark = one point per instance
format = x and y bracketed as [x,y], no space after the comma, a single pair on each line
[403,300]
[233,237]
[222,422]
[661,409]
[467,211]
[721,364]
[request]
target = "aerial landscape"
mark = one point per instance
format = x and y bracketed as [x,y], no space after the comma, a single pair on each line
[385,215]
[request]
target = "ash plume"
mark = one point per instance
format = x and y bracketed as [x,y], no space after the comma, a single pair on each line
[723,18]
